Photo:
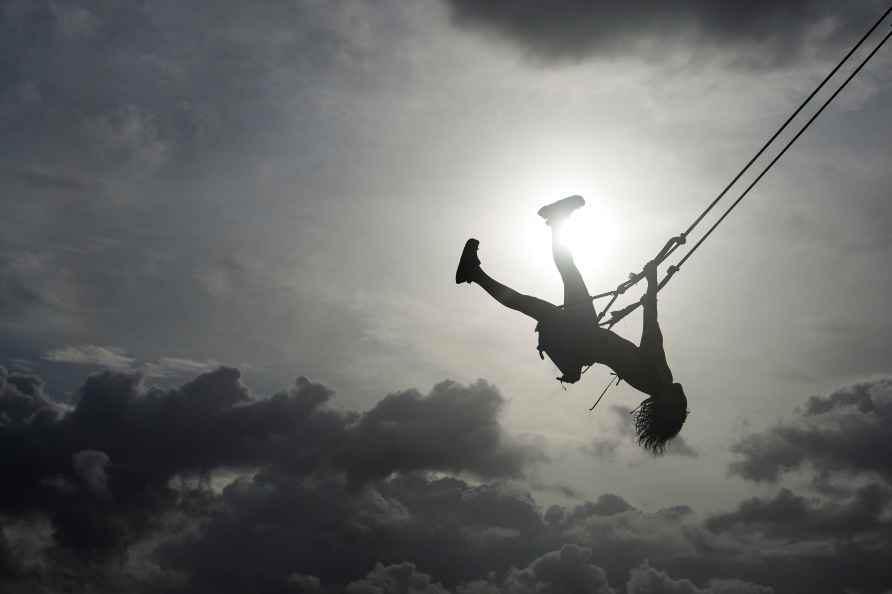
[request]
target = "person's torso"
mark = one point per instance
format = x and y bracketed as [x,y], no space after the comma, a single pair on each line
[573,343]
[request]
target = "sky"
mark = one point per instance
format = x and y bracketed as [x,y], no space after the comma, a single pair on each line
[233,356]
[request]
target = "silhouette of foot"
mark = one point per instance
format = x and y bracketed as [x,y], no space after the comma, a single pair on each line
[468,264]
[558,211]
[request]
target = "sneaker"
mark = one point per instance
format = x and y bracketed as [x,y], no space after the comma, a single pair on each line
[561,209]
[468,263]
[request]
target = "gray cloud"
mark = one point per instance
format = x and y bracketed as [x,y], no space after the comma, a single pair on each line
[569,571]
[22,397]
[606,505]
[789,516]
[298,517]
[760,34]
[468,539]
[52,180]
[847,432]
[123,442]
[395,579]
[90,467]
[839,442]
[647,580]
[113,472]
[452,428]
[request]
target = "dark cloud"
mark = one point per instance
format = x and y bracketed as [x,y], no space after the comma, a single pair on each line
[445,527]
[647,580]
[22,397]
[847,433]
[792,517]
[9,564]
[824,545]
[122,443]
[125,482]
[840,442]
[465,538]
[562,489]
[606,505]
[569,570]
[307,509]
[452,428]
[395,579]
[761,34]
[90,467]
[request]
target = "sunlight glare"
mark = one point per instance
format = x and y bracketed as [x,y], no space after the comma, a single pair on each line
[591,234]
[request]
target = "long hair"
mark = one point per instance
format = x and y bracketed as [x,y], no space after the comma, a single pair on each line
[659,418]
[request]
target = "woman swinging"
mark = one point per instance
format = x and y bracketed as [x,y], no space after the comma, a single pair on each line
[572,339]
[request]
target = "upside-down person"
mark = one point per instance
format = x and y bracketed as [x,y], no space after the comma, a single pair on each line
[572,339]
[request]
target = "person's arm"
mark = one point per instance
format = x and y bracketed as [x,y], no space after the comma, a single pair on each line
[650,331]
[650,273]
[651,336]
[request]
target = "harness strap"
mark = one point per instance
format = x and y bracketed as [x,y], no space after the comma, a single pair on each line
[607,387]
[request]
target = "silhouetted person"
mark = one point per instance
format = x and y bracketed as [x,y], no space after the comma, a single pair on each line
[572,339]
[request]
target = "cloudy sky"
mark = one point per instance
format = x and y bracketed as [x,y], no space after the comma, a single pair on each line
[233,357]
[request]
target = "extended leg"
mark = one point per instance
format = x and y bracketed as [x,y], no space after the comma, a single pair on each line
[576,295]
[532,306]
[469,271]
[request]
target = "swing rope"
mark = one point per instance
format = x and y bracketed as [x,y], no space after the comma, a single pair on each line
[784,150]
[675,242]
[618,315]
[783,126]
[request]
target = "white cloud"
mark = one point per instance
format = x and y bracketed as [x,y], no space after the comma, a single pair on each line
[90,354]
[169,366]
[117,358]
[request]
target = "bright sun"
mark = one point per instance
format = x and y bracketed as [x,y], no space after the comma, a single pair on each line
[590,234]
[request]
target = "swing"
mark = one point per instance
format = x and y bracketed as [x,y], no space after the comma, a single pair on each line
[675,242]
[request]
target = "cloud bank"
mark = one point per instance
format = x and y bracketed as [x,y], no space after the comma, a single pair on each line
[758,34]
[209,488]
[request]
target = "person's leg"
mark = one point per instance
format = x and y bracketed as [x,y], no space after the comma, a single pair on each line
[532,306]
[576,297]
[469,271]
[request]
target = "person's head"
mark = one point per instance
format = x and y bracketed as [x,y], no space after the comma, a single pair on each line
[659,418]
